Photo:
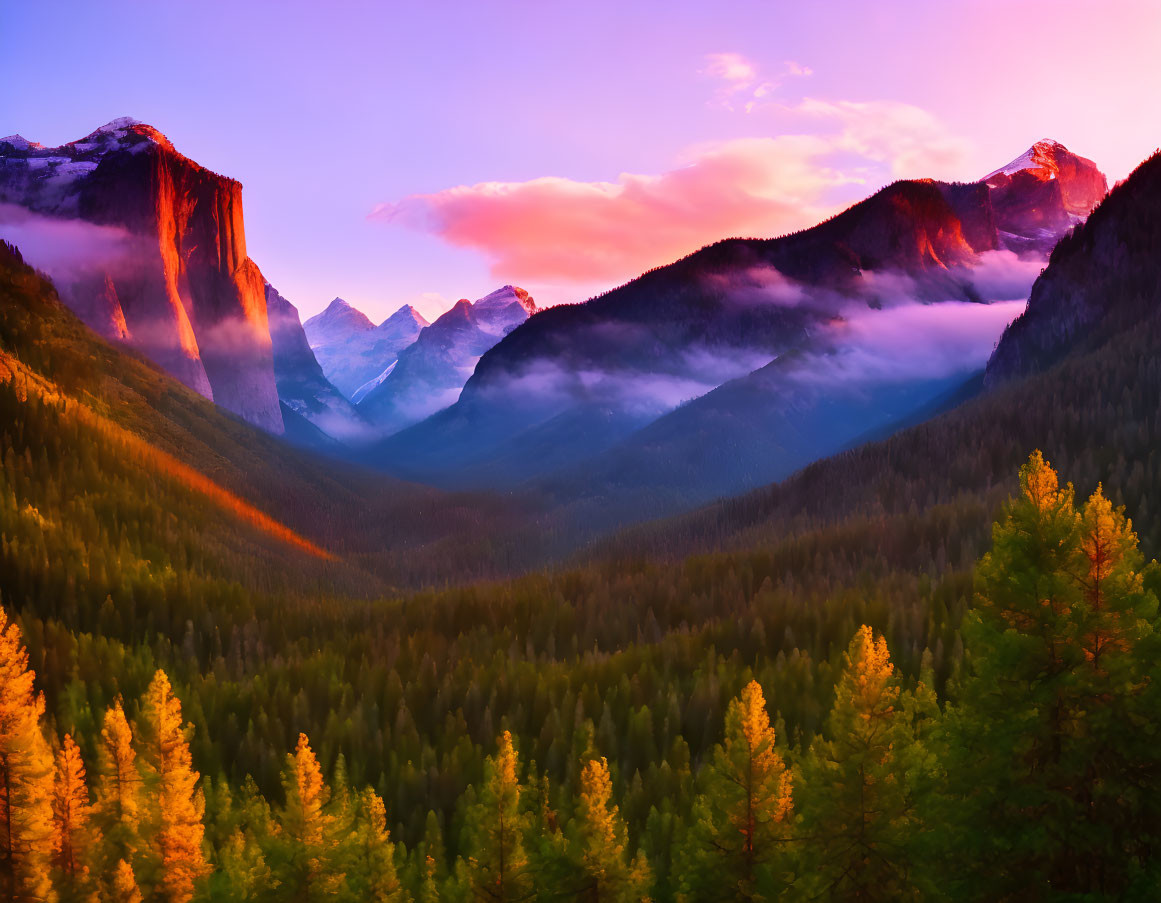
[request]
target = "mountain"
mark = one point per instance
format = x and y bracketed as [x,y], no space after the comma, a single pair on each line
[430,373]
[149,248]
[120,563]
[620,361]
[1041,193]
[352,350]
[1101,278]
[302,387]
[165,493]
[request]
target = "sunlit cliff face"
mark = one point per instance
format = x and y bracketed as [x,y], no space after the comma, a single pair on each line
[180,287]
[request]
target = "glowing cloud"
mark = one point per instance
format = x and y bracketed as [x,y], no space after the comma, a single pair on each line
[730,67]
[559,229]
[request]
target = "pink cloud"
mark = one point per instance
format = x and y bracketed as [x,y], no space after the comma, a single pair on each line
[553,233]
[555,228]
[911,141]
[730,67]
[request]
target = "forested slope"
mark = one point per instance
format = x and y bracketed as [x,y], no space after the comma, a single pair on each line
[97,412]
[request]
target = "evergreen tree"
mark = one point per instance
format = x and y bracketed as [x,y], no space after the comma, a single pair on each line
[599,843]
[740,825]
[71,811]
[373,877]
[117,811]
[860,818]
[242,874]
[123,885]
[305,862]
[175,803]
[1047,757]
[26,777]
[496,865]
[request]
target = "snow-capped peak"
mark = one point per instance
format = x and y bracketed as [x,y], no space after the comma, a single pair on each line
[406,317]
[1039,159]
[119,124]
[504,296]
[21,143]
[123,132]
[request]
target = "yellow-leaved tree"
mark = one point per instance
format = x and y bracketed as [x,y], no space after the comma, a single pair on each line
[71,811]
[599,841]
[26,773]
[123,884]
[741,822]
[863,783]
[117,812]
[496,866]
[174,802]
[375,880]
[306,859]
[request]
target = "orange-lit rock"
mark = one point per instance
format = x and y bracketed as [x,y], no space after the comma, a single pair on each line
[183,291]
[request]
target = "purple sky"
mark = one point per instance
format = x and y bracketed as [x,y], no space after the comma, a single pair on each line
[424,152]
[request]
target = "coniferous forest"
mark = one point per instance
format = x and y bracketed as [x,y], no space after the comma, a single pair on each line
[1031,774]
[880,703]
[719,477]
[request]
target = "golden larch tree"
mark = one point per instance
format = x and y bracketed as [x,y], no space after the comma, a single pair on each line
[123,884]
[600,841]
[117,811]
[497,866]
[1111,579]
[175,802]
[741,822]
[859,813]
[26,828]
[307,866]
[71,813]
[378,881]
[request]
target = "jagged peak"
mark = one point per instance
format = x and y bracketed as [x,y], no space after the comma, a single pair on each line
[21,143]
[406,313]
[505,295]
[1041,159]
[122,131]
[120,124]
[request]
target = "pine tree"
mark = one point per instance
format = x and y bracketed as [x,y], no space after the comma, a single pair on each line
[1046,745]
[374,877]
[26,777]
[71,812]
[117,811]
[599,841]
[305,861]
[741,823]
[429,887]
[497,866]
[860,817]
[241,829]
[123,885]
[175,802]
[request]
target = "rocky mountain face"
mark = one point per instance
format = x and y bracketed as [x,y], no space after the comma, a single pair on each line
[173,279]
[1041,194]
[620,361]
[353,351]
[302,386]
[430,373]
[1100,279]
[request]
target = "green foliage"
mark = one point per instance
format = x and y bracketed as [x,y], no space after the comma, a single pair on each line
[1049,764]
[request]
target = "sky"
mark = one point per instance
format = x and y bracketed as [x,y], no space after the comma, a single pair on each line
[418,153]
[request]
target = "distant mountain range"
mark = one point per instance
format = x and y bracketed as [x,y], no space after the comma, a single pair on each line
[353,351]
[430,373]
[748,359]
[728,369]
